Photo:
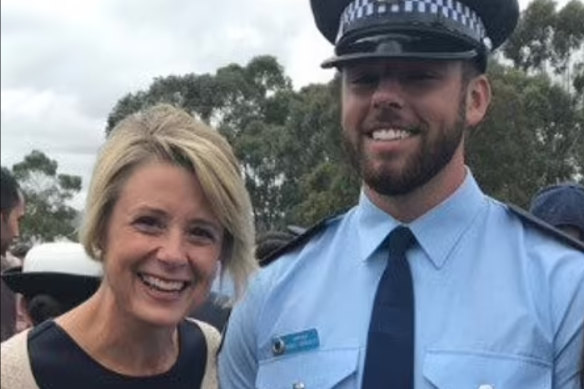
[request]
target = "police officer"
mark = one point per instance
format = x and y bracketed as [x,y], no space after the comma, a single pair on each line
[426,282]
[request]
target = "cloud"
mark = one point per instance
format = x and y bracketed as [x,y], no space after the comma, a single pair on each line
[52,123]
[65,63]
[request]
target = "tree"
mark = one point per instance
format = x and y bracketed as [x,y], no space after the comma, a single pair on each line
[249,106]
[320,181]
[532,136]
[530,44]
[48,216]
[546,37]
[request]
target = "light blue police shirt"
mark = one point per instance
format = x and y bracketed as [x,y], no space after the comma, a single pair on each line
[499,303]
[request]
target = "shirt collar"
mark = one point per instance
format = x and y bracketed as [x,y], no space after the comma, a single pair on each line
[372,226]
[437,231]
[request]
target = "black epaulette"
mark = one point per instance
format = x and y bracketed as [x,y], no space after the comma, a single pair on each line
[299,241]
[545,227]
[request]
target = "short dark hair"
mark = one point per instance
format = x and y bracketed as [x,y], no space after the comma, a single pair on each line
[470,69]
[44,307]
[9,191]
[271,241]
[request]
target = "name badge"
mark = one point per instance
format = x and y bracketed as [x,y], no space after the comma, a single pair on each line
[297,342]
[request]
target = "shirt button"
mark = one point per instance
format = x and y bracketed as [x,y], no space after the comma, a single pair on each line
[278,347]
[298,385]
[486,387]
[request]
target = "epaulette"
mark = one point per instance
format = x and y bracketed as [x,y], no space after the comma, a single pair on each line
[545,227]
[300,240]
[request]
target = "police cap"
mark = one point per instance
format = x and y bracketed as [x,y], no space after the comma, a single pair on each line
[424,29]
[560,205]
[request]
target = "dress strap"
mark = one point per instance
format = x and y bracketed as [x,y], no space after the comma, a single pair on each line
[213,339]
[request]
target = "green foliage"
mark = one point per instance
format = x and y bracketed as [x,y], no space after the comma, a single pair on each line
[530,45]
[532,136]
[281,137]
[47,216]
[249,106]
[569,34]
[549,37]
[321,182]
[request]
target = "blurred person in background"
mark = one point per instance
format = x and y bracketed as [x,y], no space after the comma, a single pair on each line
[19,251]
[11,211]
[54,278]
[562,206]
[270,242]
[166,205]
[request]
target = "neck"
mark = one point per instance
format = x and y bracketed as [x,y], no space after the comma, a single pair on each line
[119,341]
[412,205]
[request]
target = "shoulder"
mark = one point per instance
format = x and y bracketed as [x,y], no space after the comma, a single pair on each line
[14,348]
[543,228]
[212,336]
[15,367]
[546,254]
[301,240]
[213,339]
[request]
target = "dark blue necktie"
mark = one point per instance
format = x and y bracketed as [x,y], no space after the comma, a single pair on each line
[389,362]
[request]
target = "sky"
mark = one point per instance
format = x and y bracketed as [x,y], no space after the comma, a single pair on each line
[65,63]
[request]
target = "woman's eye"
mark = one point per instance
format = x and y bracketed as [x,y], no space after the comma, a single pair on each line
[148,223]
[202,233]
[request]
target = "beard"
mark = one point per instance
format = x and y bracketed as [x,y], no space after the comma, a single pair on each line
[419,168]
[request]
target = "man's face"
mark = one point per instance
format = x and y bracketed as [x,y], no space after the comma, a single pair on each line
[402,120]
[10,225]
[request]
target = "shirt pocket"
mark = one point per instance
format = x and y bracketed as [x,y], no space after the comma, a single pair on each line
[323,369]
[460,369]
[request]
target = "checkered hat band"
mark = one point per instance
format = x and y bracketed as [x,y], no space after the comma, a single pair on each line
[459,14]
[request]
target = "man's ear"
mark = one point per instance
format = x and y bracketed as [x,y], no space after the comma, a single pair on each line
[478,98]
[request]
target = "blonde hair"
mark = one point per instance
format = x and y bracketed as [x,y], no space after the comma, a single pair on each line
[168,134]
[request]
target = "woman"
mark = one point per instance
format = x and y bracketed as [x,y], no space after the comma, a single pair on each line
[165,207]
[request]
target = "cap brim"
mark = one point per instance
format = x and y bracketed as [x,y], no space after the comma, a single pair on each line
[340,60]
[55,284]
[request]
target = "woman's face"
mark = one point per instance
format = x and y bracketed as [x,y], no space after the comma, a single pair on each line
[162,246]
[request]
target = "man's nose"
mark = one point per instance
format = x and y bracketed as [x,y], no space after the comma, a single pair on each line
[388,94]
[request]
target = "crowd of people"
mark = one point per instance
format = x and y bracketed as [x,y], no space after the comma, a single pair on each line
[427,282]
